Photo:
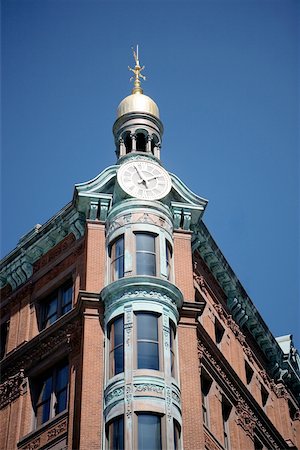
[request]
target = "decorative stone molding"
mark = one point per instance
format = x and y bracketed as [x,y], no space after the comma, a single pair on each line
[210,444]
[245,418]
[148,387]
[12,388]
[114,395]
[169,403]
[152,218]
[33,445]
[201,282]
[60,428]
[18,266]
[128,401]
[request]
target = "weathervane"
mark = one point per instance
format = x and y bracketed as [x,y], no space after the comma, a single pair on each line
[137,72]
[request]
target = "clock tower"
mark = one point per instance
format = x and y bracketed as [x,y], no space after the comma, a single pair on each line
[143,206]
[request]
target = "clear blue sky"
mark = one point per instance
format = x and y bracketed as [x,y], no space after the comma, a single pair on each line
[225,75]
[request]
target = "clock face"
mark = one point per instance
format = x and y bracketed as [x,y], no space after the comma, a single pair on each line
[144,180]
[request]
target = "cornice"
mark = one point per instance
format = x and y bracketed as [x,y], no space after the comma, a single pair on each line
[17,267]
[249,413]
[242,309]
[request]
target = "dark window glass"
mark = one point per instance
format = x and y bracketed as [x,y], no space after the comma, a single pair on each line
[116,337]
[172,348]
[128,143]
[147,341]
[206,383]
[51,393]
[141,142]
[3,338]
[116,434]
[226,409]
[176,435]
[219,331]
[249,373]
[117,259]
[168,259]
[145,254]
[264,395]
[56,305]
[149,432]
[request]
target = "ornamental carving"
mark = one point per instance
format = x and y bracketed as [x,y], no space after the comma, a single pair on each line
[200,281]
[280,390]
[128,400]
[12,388]
[148,294]
[245,417]
[114,395]
[169,403]
[209,443]
[148,387]
[33,445]
[134,218]
[175,397]
[59,429]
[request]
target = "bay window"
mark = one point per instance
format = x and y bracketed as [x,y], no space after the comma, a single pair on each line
[116,350]
[145,254]
[117,258]
[149,432]
[147,341]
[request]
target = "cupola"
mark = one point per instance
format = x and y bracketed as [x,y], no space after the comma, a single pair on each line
[138,128]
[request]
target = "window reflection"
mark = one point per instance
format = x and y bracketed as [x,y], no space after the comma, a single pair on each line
[117,259]
[147,341]
[145,254]
[116,355]
[149,432]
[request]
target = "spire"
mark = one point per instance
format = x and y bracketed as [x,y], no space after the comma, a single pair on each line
[137,73]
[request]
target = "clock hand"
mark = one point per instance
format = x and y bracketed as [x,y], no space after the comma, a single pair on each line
[149,179]
[142,178]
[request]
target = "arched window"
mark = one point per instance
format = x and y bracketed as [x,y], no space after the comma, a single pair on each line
[154,143]
[141,142]
[128,142]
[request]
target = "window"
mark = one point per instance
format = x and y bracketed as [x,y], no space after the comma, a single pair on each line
[264,395]
[249,373]
[145,254]
[3,338]
[226,410]
[141,142]
[149,432]
[147,341]
[219,331]
[128,142]
[56,305]
[116,434]
[51,392]
[117,259]
[116,351]
[206,383]
[172,347]
[168,259]
[176,435]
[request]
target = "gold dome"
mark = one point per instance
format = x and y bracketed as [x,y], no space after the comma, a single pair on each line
[138,102]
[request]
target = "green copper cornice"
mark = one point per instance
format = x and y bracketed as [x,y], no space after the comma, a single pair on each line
[242,308]
[141,288]
[17,267]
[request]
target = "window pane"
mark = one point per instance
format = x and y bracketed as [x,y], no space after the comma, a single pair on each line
[116,434]
[145,242]
[118,331]
[43,413]
[145,264]
[67,295]
[46,389]
[61,401]
[149,432]
[147,326]
[118,360]
[62,377]
[119,247]
[148,356]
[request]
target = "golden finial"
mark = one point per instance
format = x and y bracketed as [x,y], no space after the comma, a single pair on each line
[137,72]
